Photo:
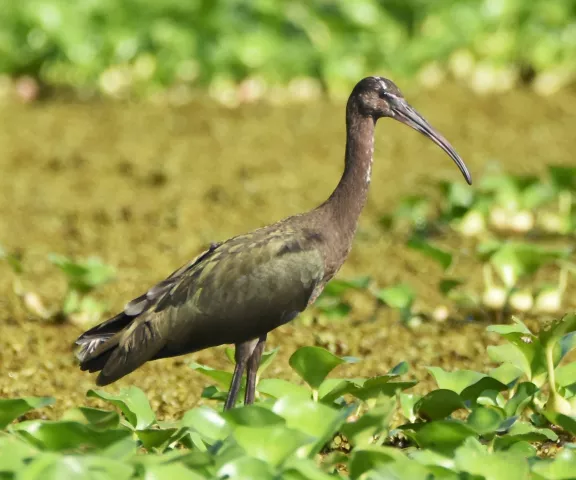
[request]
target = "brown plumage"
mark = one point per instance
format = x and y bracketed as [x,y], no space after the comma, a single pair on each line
[239,290]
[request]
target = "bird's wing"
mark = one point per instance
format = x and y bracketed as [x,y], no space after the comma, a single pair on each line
[242,288]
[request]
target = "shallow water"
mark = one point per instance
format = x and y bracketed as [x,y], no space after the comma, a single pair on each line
[146,188]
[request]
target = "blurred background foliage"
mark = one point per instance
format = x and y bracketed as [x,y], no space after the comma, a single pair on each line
[283,49]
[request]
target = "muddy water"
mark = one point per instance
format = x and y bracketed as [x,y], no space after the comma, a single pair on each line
[145,188]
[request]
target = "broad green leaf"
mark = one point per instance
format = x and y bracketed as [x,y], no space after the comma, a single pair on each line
[222,377]
[155,437]
[132,402]
[375,421]
[518,326]
[440,256]
[313,364]
[525,392]
[496,466]
[312,418]
[272,444]
[377,386]
[252,416]
[524,431]
[485,420]
[399,369]
[170,471]
[277,388]
[12,408]
[438,404]
[557,330]
[562,467]
[456,380]
[246,468]
[408,402]
[563,421]
[65,435]
[472,392]
[95,417]
[208,423]
[507,373]
[399,296]
[337,287]
[446,285]
[369,458]
[15,453]
[563,177]
[303,469]
[443,435]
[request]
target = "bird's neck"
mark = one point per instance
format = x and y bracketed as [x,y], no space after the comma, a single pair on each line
[349,197]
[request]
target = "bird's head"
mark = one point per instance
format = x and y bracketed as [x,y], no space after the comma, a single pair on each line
[379,97]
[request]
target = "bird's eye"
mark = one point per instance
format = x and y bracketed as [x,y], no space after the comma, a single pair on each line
[382,94]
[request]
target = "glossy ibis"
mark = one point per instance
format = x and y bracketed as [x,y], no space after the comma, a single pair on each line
[239,290]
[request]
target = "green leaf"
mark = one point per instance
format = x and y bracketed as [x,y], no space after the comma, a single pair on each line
[155,437]
[399,296]
[564,178]
[557,330]
[440,256]
[272,444]
[278,388]
[132,402]
[524,394]
[400,369]
[562,467]
[95,417]
[312,418]
[443,436]
[485,420]
[375,421]
[563,421]
[369,458]
[171,471]
[337,287]
[64,435]
[222,377]
[12,408]
[15,453]
[496,466]
[438,404]
[303,469]
[252,416]
[245,468]
[446,285]
[472,392]
[313,364]
[208,423]
[457,380]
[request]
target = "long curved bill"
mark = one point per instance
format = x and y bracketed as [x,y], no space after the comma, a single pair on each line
[406,114]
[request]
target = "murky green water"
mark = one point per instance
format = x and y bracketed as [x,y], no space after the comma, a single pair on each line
[146,188]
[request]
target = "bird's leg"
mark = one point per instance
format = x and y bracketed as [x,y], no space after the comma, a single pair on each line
[242,355]
[252,370]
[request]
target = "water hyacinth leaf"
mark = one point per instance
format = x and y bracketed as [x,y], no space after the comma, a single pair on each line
[564,178]
[169,471]
[517,326]
[472,392]
[485,420]
[303,469]
[496,466]
[207,422]
[277,388]
[407,403]
[554,333]
[565,422]
[457,380]
[399,296]
[438,404]
[446,285]
[246,468]
[440,256]
[155,437]
[524,394]
[399,369]
[132,402]
[95,417]
[83,276]
[312,418]
[381,386]
[65,435]
[443,436]
[337,287]
[375,421]
[515,260]
[334,388]
[313,364]
[15,452]
[506,373]
[523,432]
[252,416]
[271,444]
[560,468]
[369,458]
[222,377]
[566,374]
[12,408]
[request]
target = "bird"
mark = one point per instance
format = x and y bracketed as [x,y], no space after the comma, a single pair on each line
[239,290]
